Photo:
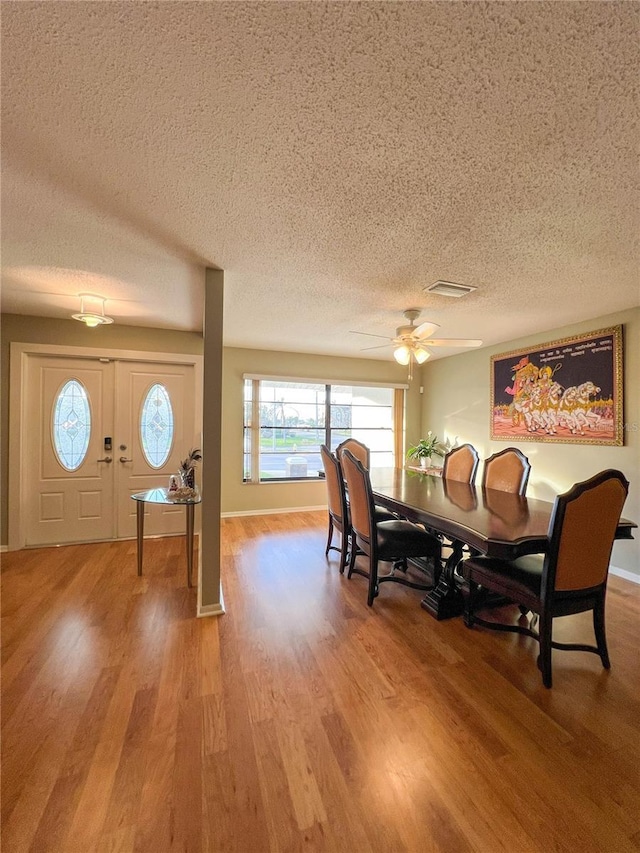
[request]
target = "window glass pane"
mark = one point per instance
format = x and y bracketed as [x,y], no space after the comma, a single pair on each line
[358,396]
[292,425]
[156,426]
[367,415]
[71,425]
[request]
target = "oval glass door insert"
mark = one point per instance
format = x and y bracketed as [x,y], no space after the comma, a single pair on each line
[71,425]
[156,426]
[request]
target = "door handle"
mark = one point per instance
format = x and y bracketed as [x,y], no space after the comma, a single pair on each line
[124,459]
[106,459]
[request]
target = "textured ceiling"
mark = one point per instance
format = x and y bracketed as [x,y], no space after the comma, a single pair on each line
[332,158]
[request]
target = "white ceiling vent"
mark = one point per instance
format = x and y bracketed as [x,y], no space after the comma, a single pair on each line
[449,288]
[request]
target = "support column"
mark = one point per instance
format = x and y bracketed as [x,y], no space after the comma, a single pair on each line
[210,600]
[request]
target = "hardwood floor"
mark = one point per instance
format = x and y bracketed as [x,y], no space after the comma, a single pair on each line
[301,719]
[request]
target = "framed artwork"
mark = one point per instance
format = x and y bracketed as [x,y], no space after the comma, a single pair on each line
[568,391]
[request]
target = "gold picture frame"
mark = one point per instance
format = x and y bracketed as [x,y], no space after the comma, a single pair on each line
[570,391]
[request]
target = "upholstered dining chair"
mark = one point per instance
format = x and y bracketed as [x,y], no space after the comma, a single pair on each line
[359,450]
[337,502]
[461,463]
[571,577]
[387,541]
[507,471]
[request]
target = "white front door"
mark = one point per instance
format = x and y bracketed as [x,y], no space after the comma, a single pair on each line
[69,476]
[143,458]
[96,431]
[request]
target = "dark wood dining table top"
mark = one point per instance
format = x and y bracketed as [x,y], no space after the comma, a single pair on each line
[493,522]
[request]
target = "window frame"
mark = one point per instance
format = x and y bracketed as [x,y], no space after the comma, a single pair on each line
[397,414]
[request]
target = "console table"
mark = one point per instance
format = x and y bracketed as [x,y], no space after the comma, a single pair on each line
[161,496]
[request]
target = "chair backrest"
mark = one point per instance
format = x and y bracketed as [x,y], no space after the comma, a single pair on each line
[582,529]
[360,496]
[461,464]
[507,471]
[359,450]
[335,485]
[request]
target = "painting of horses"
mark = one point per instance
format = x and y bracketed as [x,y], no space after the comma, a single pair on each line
[567,391]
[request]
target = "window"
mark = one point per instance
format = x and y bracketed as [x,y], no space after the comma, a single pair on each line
[286,421]
[71,425]
[156,426]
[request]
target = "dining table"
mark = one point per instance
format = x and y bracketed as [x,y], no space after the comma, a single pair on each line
[487,521]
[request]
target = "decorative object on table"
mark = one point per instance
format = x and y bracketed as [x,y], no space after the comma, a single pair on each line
[565,391]
[410,341]
[183,493]
[173,483]
[188,468]
[426,448]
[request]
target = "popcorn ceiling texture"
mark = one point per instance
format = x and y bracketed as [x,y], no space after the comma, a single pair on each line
[332,158]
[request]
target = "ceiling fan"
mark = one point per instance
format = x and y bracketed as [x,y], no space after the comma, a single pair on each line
[410,341]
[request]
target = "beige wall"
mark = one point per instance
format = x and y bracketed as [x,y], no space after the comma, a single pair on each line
[43,330]
[236,496]
[456,406]
[246,497]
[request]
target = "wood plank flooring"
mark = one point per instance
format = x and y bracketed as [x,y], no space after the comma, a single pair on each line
[301,719]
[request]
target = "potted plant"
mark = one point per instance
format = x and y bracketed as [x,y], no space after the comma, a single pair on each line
[425,449]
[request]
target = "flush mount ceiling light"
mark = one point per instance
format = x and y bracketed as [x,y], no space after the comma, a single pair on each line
[449,288]
[92,318]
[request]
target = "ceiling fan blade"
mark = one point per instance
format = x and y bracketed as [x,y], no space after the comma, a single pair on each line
[453,342]
[368,334]
[378,346]
[425,329]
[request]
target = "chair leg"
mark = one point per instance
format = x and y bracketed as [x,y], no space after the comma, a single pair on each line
[330,537]
[373,580]
[352,556]
[544,658]
[344,551]
[470,604]
[600,632]
[437,570]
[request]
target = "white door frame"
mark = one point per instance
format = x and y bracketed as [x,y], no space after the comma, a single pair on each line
[19,356]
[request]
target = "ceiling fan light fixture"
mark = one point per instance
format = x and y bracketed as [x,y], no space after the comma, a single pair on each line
[421,355]
[402,354]
[92,318]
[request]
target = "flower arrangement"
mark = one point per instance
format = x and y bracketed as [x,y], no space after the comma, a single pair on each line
[426,447]
[187,468]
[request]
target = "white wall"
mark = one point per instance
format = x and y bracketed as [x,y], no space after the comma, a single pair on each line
[456,406]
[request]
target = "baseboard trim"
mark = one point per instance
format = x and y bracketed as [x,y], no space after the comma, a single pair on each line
[279,511]
[623,573]
[212,609]
[4,549]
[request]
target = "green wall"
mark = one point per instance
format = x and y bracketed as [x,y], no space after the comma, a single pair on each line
[250,497]
[456,406]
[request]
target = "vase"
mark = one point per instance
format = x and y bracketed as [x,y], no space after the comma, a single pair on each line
[188,478]
[425,462]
